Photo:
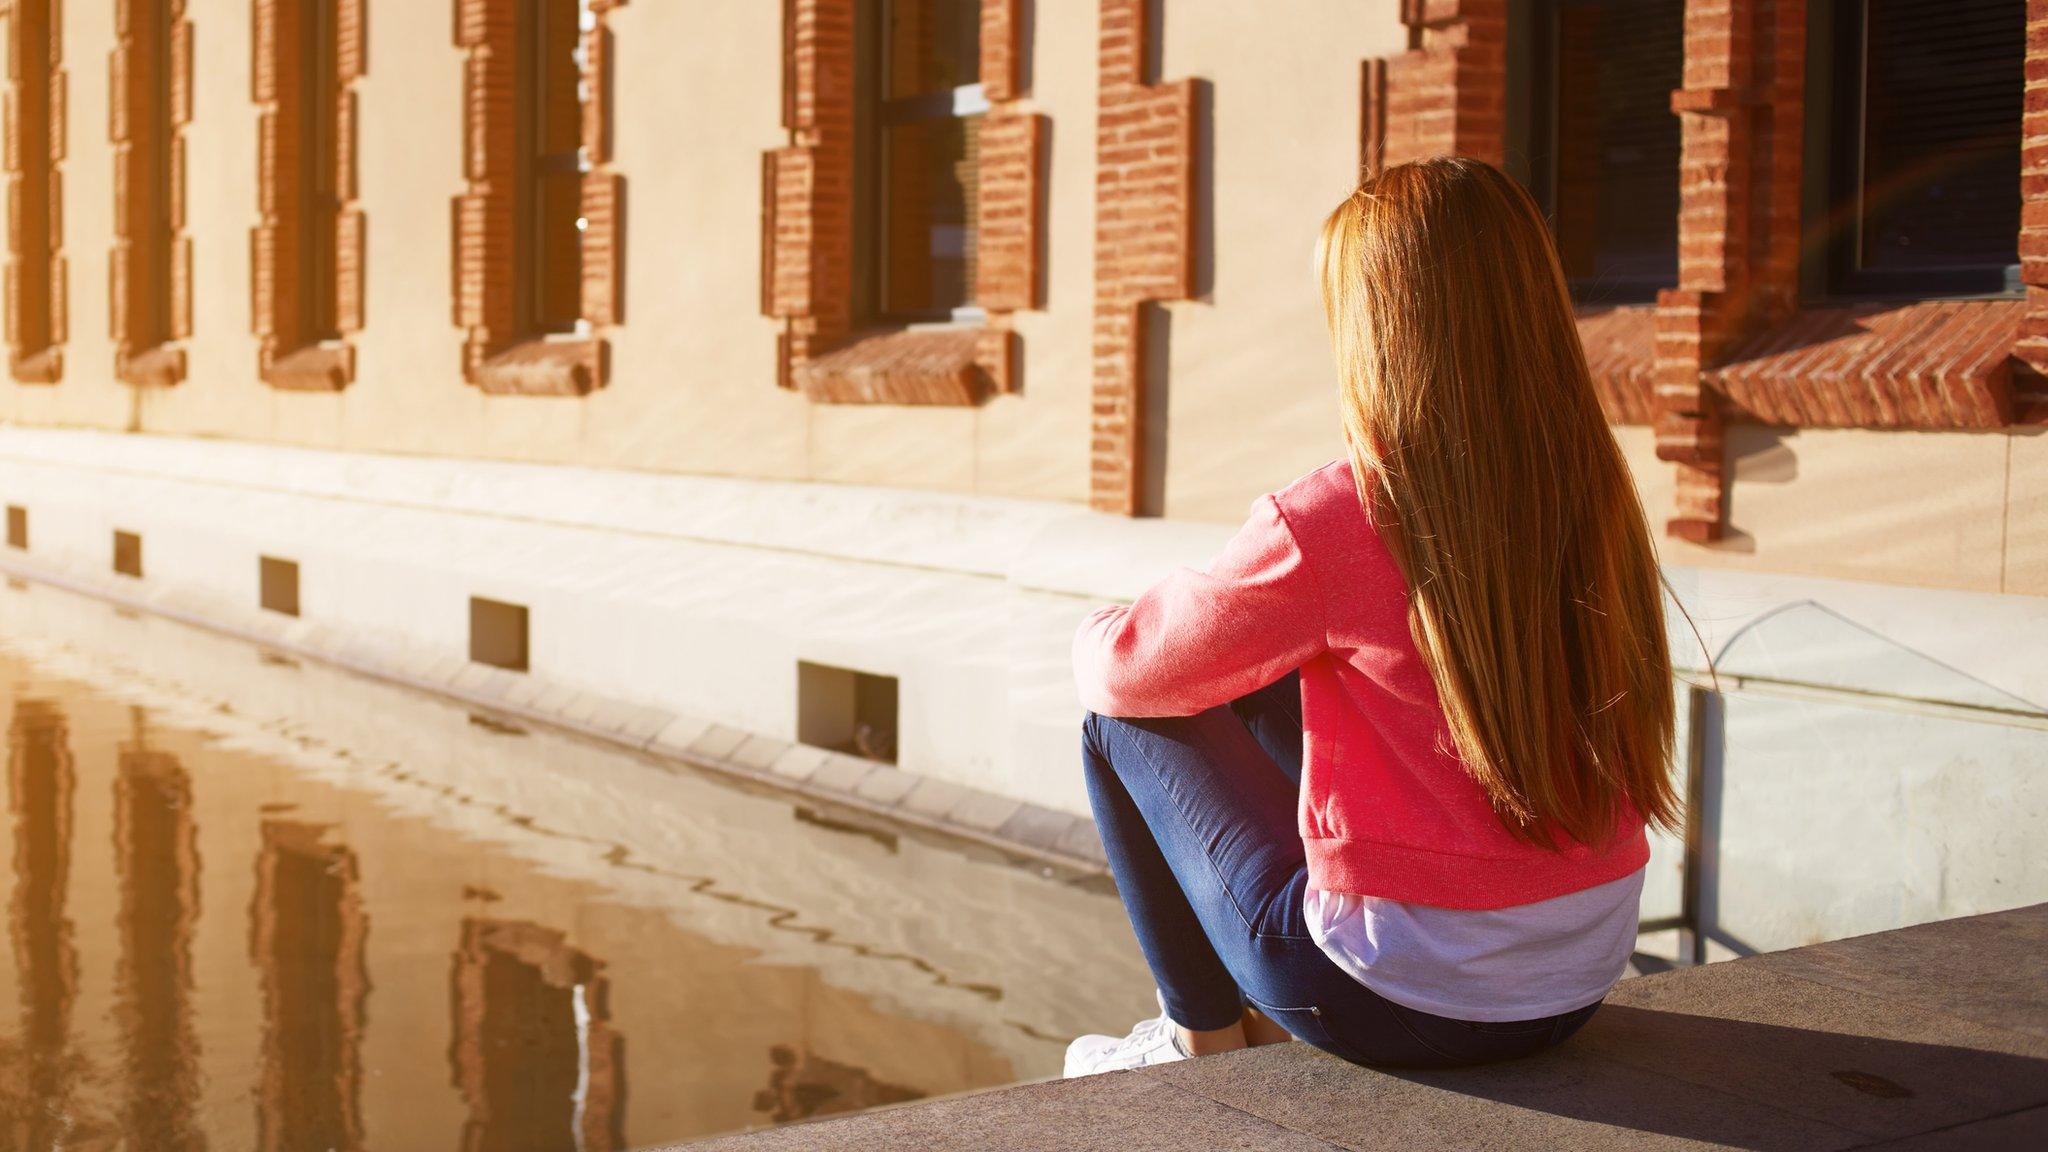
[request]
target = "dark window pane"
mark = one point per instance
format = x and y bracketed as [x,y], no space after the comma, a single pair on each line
[929,215]
[551,124]
[931,46]
[1941,135]
[1615,198]
[318,94]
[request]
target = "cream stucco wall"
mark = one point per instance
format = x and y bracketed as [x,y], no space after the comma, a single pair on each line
[692,389]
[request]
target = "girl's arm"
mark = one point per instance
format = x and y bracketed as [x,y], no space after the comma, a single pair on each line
[1199,639]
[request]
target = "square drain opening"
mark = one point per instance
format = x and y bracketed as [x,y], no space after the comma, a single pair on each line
[278,581]
[846,710]
[128,554]
[498,633]
[17,527]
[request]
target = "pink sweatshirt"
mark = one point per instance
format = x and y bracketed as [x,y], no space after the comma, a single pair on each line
[1387,810]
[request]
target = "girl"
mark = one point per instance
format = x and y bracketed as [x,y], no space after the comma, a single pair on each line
[1379,778]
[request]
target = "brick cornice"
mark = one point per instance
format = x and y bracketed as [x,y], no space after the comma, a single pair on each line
[37,272]
[807,226]
[498,356]
[1144,241]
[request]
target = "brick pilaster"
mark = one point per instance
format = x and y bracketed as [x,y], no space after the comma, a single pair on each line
[1740,115]
[1144,245]
[2032,347]
[1446,95]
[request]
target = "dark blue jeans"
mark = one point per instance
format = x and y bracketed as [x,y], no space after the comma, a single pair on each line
[1198,818]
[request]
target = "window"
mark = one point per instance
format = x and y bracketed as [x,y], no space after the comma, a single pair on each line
[35,268]
[537,259]
[1601,142]
[152,260]
[918,122]
[905,199]
[1916,124]
[550,124]
[306,253]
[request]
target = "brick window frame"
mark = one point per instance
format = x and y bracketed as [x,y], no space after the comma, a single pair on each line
[289,356]
[807,228]
[1732,340]
[147,329]
[37,272]
[500,355]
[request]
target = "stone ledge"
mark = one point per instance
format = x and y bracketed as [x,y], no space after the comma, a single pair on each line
[1924,1038]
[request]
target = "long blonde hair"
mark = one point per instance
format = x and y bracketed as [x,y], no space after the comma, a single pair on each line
[1481,451]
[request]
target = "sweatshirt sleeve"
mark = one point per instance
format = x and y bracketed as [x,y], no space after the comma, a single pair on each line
[1199,639]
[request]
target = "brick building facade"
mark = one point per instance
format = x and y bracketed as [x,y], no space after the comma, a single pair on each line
[801,372]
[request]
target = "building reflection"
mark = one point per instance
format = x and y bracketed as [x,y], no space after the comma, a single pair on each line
[534,1054]
[156,854]
[802,1084]
[39,1071]
[307,932]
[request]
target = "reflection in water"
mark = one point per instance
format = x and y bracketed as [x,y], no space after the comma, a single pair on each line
[39,1072]
[803,1084]
[534,1054]
[156,854]
[307,931]
[576,888]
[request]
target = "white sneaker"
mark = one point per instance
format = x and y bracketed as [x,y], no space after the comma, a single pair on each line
[1151,1042]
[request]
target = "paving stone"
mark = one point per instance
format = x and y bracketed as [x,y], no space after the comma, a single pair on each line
[607,714]
[841,772]
[984,811]
[799,762]
[885,784]
[1849,1059]
[554,700]
[443,669]
[758,752]
[717,742]
[1990,969]
[582,707]
[1562,1099]
[471,677]
[638,723]
[680,733]
[1034,827]
[1119,1111]
[1082,841]
[2014,1132]
[524,691]
[932,798]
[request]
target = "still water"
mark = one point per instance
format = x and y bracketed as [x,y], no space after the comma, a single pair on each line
[256,904]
